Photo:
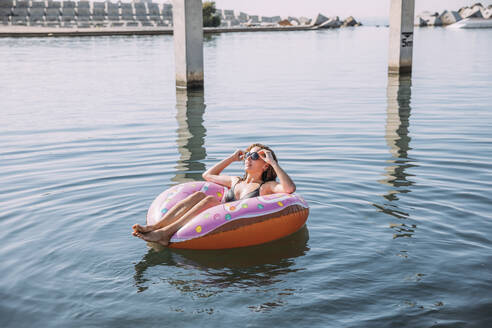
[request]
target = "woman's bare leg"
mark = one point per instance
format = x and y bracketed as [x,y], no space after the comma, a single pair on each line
[174,213]
[163,235]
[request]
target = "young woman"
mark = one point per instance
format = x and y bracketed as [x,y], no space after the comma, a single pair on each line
[260,171]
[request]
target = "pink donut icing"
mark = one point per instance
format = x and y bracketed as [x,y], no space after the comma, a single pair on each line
[219,215]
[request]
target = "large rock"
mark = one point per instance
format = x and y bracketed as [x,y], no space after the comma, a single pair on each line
[320,19]
[304,21]
[419,21]
[487,13]
[333,22]
[294,19]
[474,12]
[428,19]
[449,17]
[478,4]
[349,21]
[434,21]
[284,22]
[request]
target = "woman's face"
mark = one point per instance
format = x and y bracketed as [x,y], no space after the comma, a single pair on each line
[251,165]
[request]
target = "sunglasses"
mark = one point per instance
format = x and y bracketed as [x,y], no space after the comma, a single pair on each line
[254,155]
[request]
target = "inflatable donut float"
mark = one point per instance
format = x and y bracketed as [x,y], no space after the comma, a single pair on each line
[240,223]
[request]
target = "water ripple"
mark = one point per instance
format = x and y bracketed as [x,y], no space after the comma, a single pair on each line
[396,172]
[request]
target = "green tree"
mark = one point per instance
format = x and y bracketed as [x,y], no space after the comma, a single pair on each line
[210,17]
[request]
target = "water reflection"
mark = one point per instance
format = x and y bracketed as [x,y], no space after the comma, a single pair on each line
[191,133]
[207,273]
[398,141]
[210,40]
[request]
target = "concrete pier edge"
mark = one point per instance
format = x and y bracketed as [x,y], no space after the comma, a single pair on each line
[21,31]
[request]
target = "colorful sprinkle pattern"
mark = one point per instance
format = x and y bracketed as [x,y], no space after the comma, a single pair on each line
[218,215]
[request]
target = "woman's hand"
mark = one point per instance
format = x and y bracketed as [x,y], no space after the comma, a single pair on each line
[238,155]
[266,155]
[213,173]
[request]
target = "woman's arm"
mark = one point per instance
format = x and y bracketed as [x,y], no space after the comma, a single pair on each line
[213,174]
[286,184]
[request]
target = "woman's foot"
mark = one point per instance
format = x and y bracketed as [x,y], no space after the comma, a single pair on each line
[143,229]
[158,236]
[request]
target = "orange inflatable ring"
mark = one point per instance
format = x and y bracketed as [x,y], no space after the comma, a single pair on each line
[241,223]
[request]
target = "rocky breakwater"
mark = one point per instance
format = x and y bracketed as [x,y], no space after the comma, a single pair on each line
[449,17]
[231,18]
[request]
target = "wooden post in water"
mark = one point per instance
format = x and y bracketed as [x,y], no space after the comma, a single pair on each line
[188,43]
[401,36]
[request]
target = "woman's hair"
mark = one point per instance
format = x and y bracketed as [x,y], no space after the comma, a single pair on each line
[269,174]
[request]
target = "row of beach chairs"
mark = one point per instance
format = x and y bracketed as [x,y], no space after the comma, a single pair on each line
[84,13]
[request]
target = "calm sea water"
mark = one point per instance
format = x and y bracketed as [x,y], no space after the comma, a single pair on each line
[397,173]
